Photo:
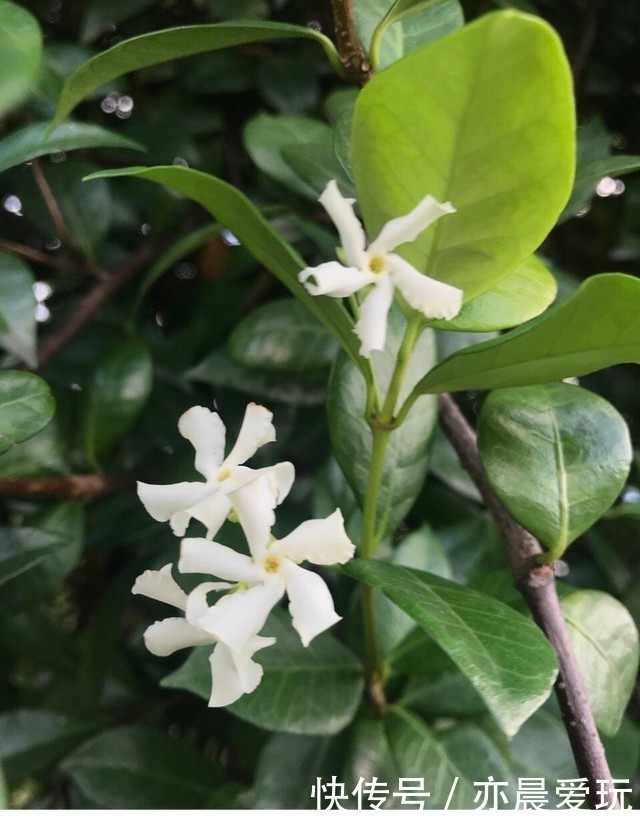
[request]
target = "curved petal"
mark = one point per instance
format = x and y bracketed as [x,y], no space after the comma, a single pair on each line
[405,229]
[161,586]
[197,604]
[206,432]
[321,541]
[371,328]
[242,614]
[166,636]
[256,430]
[334,279]
[203,556]
[211,511]
[310,602]
[255,504]
[434,299]
[162,502]
[234,674]
[340,209]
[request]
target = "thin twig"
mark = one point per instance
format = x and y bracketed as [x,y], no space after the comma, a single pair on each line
[354,59]
[75,486]
[39,256]
[537,584]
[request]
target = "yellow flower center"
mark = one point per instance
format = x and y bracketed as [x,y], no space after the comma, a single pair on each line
[224,474]
[272,564]
[377,265]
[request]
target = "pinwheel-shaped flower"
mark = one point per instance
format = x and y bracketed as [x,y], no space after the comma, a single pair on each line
[229,485]
[376,266]
[266,575]
[233,670]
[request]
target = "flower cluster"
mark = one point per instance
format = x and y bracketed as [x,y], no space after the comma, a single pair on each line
[377,269]
[251,584]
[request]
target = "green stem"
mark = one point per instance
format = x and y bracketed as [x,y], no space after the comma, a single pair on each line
[411,336]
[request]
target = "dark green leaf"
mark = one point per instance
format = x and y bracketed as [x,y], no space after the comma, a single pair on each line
[20,54]
[26,405]
[17,310]
[100,17]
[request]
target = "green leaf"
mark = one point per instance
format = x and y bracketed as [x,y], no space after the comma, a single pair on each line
[282,336]
[495,100]
[26,406]
[100,17]
[605,639]
[504,655]
[169,44]
[539,446]
[233,209]
[139,767]
[596,327]
[17,309]
[408,448]
[305,691]
[520,296]
[32,141]
[119,386]
[20,54]
[32,739]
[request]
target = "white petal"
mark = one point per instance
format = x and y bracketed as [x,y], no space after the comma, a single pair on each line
[206,432]
[255,503]
[340,209]
[321,541]
[405,229]
[256,430]
[211,511]
[234,674]
[161,586]
[311,605]
[163,502]
[204,556]
[166,636]
[242,614]
[434,299]
[371,328]
[197,604]
[334,279]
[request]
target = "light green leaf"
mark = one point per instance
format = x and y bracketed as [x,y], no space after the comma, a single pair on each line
[26,405]
[32,141]
[305,691]
[408,448]
[317,164]
[504,655]
[20,54]
[596,327]
[230,206]
[539,446]
[495,100]
[169,44]
[282,336]
[138,767]
[520,296]
[605,639]
[17,309]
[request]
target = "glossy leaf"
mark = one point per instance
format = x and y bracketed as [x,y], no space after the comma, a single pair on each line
[170,44]
[138,767]
[233,209]
[408,448]
[20,53]
[26,405]
[32,141]
[505,656]
[500,146]
[540,447]
[605,639]
[118,388]
[305,691]
[596,327]
[17,310]
[282,336]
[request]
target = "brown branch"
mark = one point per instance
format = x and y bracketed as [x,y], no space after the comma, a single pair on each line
[37,256]
[79,486]
[352,56]
[536,582]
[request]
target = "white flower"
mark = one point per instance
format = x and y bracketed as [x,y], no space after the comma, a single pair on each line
[233,672]
[267,575]
[253,494]
[376,265]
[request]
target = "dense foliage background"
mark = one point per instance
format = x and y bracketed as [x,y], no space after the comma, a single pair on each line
[84,720]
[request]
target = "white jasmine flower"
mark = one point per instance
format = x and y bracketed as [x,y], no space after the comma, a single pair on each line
[233,672]
[267,575]
[376,265]
[252,494]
